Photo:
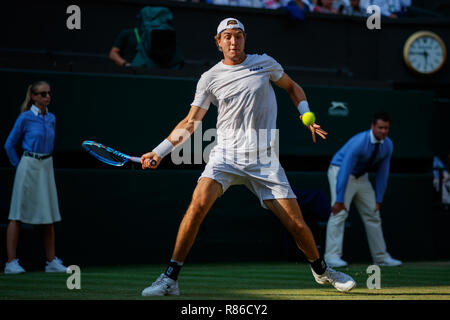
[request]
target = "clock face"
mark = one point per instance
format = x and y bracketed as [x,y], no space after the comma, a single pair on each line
[425,52]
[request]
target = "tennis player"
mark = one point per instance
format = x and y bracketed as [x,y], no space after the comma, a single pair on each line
[240,87]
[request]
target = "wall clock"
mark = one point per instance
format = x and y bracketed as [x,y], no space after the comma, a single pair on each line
[424,52]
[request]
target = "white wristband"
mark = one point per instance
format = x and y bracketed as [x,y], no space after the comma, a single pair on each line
[164,148]
[303,107]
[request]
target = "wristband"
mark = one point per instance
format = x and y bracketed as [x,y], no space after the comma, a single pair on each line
[164,148]
[303,107]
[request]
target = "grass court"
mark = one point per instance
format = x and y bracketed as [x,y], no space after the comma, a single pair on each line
[232,281]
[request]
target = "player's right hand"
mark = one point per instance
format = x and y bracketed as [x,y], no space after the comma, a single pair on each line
[146,158]
[338,207]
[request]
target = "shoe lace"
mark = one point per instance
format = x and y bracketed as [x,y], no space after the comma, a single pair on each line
[335,276]
[159,281]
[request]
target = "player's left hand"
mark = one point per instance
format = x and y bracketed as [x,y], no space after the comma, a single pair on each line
[315,128]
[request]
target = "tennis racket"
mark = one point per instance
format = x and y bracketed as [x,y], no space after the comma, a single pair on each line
[109,155]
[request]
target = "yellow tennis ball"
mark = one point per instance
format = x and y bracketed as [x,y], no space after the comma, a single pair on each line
[308,118]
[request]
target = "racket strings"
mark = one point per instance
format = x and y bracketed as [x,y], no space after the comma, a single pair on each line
[104,153]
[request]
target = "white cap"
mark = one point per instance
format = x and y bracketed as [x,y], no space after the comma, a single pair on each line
[230,23]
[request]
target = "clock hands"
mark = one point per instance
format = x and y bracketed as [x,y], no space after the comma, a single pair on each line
[425,54]
[421,53]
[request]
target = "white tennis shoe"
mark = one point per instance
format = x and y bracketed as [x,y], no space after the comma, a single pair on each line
[163,286]
[341,281]
[55,266]
[13,267]
[390,262]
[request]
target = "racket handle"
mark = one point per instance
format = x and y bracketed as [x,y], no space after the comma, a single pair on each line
[135,159]
[138,160]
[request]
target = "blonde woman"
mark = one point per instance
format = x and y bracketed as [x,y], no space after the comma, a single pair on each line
[34,198]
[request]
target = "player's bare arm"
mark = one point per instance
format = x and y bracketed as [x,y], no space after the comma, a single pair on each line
[179,135]
[295,91]
[297,95]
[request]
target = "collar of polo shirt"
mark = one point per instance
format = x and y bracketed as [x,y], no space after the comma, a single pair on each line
[373,139]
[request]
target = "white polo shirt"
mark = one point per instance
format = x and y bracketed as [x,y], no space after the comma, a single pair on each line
[245,101]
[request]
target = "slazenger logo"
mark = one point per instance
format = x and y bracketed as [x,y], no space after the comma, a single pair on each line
[231,22]
[256,68]
[338,109]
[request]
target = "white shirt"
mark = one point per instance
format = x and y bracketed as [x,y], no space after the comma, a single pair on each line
[245,101]
[240,3]
[387,6]
[398,5]
[36,110]
[384,8]
[373,139]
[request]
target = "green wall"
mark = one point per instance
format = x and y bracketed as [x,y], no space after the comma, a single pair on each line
[134,113]
[116,215]
[113,216]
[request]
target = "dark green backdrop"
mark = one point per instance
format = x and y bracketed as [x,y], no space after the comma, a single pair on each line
[130,216]
[134,113]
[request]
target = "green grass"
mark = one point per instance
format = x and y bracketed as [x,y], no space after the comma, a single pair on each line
[233,281]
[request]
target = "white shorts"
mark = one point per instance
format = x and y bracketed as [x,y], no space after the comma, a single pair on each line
[266,181]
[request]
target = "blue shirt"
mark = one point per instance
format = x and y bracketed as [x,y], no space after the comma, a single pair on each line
[353,157]
[437,164]
[37,132]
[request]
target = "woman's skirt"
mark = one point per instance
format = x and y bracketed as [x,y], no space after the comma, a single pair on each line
[34,197]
